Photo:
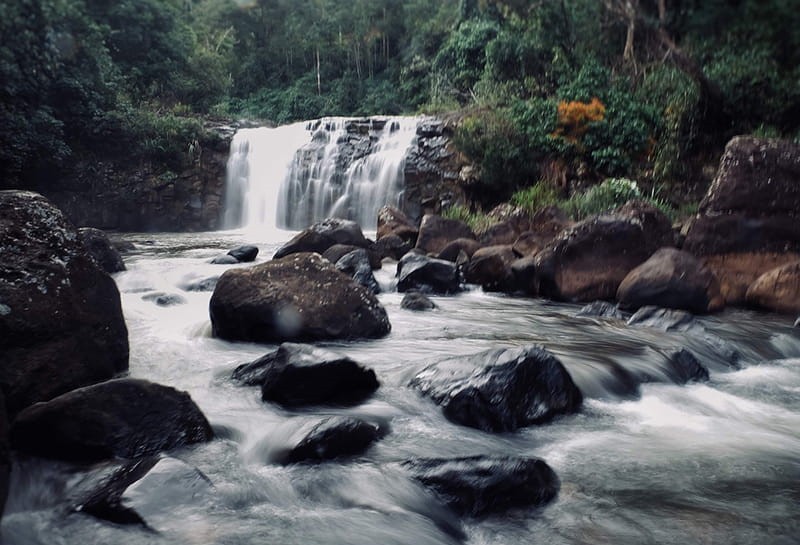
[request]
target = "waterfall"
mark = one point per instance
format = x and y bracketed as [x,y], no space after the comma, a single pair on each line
[292,176]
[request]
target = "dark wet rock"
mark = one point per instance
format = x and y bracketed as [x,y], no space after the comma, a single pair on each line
[501,390]
[588,261]
[428,275]
[601,309]
[529,244]
[296,375]
[777,290]
[165,299]
[61,322]
[797,322]
[123,246]
[356,265]
[671,278]
[484,485]
[436,232]
[414,300]
[224,259]
[686,367]
[671,320]
[334,437]
[5,460]
[392,246]
[321,236]
[393,222]
[490,267]
[125,418]
[524,272]
[244,254]
[144,492]
[338,251]
[204,284]
[301,297]
[748,221]
[453,249]
[101,249]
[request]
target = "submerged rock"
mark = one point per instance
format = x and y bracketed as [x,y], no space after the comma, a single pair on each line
[321,236]
[244,254]
[101,249]
[484,485]
[601,309]
[415,300]
[334,437]
[205,284]
[501,390]
[165,299]
[297,375]
[686,367]
[301,297]
[125,418]
[428,275]
[61,322]
[224,259]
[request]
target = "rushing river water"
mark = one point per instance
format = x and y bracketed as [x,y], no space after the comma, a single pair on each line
[715,462]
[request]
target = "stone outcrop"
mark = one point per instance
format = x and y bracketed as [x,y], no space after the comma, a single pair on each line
[125,418]
[501,390]
[671,278]
[588,261]
[61,323]
[301,297]
[777,290]
[484,485]
[749,220]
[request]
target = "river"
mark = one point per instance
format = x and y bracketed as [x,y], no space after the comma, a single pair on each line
[713,462]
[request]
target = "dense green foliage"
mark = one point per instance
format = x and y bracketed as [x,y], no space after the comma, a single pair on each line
[547,90]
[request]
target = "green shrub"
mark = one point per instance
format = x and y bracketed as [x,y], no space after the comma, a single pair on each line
[477,221]
[603,197]
[534,198]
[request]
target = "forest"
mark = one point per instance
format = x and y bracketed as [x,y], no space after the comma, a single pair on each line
[543,90]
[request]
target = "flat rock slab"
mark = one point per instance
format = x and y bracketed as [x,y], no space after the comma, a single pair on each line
[483,485]
[501,390]
[125,418]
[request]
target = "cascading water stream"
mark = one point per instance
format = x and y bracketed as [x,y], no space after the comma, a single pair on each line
[292,176]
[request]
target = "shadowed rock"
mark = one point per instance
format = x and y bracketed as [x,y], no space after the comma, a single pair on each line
[415,300]
[101,249]
[428,275]
[334,437]
[601,309]
[244,254]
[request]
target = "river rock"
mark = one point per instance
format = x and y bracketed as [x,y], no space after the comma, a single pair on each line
[671,278]
[414,300]
[428,275]
[501,390]
[224,259]
[601,309]
[453,249]
[203,284]
[436,232]
[61,322]
[589,260]
[491,268]
[125,418]
[334,437]
[686,367]
[392,246]
[165,299]
[356,265]
[524,272]
[100,248]
[296,375]
[748,221]
[244,254]
[301,297]
[777,290]
[393,221]
[321,236]
[338,251]
[483,485]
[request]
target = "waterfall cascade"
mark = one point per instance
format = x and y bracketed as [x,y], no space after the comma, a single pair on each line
[292,176]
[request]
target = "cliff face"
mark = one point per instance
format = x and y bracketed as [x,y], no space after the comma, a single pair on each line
[141,195]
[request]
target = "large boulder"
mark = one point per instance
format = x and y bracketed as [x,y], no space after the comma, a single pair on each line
[490,267]
[101,249]
[297,375]
[244,254]
[61,323]
[301,297]
[393,221]
[749,220]
[778,290]
[671,278]
[436,232]
[454,248]
[428,275]
[589,260]
[334,437]
[321,236]
[501,390]
[483,485]
[125,418]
